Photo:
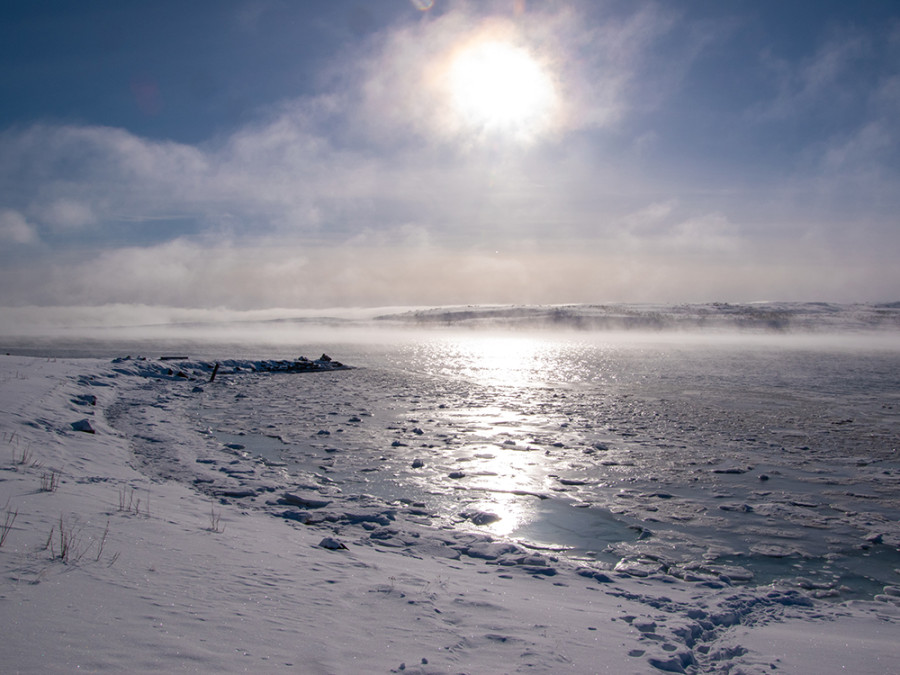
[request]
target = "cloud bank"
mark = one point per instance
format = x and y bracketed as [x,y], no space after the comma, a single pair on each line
[370,192]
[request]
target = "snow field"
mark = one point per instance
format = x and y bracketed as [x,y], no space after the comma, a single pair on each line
[177,565]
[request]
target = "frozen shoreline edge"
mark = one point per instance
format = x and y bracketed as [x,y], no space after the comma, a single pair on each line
[694,630]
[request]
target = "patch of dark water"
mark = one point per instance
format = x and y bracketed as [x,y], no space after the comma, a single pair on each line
[851,574]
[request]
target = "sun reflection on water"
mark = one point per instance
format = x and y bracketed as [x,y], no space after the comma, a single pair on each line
[505,423]
[511,480]
[497,360]
[506,464]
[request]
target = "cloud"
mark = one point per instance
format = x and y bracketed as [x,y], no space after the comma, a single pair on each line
[14,229]
[820,79]
[709,233]
[377,150]
[67,214]
[874,140]
[186,275]
[70,177]
[869,150]
[649,216]
[403,84]
[370,192]
[662,228]
[840,106]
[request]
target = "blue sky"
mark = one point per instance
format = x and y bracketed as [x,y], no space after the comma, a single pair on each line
[267,154]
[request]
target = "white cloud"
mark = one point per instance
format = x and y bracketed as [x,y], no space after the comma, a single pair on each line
[709,233]
[14,229]
[403,87]
[334,165]
[67,214]
[186,275]
[817,80]
[662,228]
[858,152]
[369,194]
[648,217]
[867,153]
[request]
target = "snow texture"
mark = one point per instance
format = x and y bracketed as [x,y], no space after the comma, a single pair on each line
[193,529]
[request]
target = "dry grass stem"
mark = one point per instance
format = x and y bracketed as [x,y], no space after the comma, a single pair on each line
[8,519]
[49,481]
[129,502]
[103,541]
[215,516]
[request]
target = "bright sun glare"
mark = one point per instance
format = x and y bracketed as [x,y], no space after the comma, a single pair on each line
[499,87]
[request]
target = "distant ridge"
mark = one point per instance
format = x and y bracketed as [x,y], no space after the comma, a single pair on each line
[754,317]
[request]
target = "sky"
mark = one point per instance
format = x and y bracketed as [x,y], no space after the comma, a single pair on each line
[264,154]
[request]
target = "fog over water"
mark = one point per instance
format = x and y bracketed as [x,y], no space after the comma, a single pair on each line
[107,330]
[758,441]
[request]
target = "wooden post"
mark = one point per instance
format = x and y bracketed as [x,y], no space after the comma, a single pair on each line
[215,370]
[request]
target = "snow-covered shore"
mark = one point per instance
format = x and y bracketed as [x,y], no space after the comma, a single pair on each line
[132,541]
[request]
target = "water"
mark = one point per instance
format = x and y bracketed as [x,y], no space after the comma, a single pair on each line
[777,456]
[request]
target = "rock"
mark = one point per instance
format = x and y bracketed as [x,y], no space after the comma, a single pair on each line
[456,474]
[83,425]
[418,463]
[332,544]
[294,499]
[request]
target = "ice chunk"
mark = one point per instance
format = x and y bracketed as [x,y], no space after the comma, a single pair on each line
[83,425]
[332,543]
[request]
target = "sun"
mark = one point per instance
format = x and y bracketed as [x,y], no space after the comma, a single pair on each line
[499,87]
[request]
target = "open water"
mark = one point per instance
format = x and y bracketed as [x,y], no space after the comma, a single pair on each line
[767,457]
[767,454]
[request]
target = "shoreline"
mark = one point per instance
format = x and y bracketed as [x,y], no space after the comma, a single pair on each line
[457,601]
